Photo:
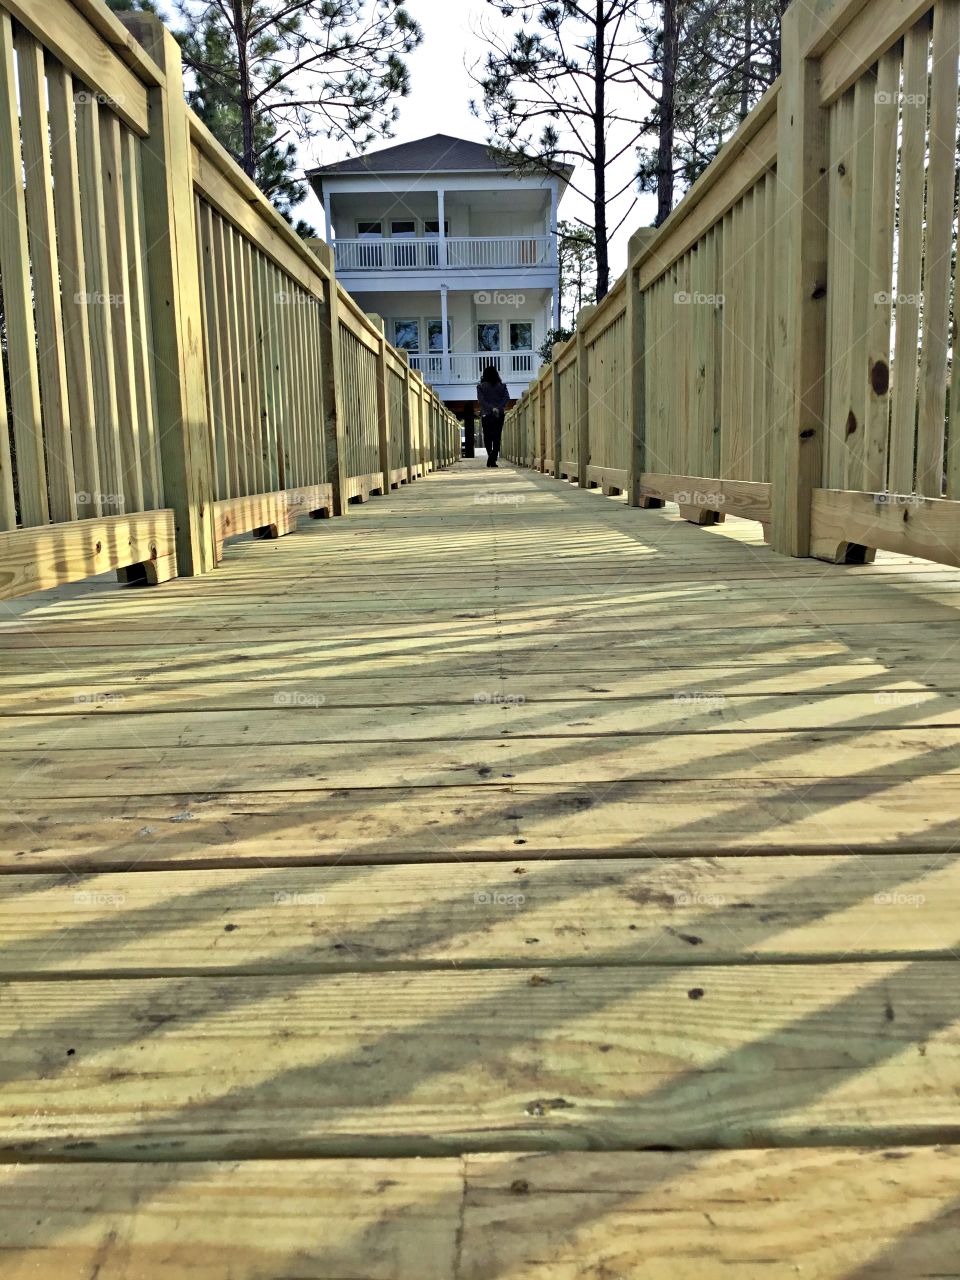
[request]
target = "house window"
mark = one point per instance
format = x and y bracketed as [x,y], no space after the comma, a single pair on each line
[406,335]
[521,335]
[488,336]
[431,229]
[369,255]
[435,335]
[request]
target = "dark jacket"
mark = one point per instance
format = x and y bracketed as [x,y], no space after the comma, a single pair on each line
[493,397]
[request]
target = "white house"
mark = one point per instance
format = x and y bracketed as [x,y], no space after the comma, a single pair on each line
[455,251]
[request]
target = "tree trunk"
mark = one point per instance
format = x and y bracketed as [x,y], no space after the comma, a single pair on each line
[746,74]
[667,110]
[248,160]
[600,153]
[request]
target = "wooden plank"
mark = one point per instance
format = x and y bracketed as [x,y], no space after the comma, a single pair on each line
[78,355]
[909,259]
[334,422]
[802,163]
[96,299]
[742,160]
[118,276]
[870,35]
[697,1056]
[907,524]
[45,270]
[648,911]
[937,249]
[379,1219]
[141,324]
[496,823]
[804,754]
[62,28]
[831,1214]
[35,559]
[275,513]
[558,1216]
[21,352]
[747,498]
[175,299]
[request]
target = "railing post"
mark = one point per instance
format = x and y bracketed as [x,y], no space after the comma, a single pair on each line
[182,426]
[583,399]
[557,424]
[636,341]
[383,422]
[407,430]
[333,432]
[800,356]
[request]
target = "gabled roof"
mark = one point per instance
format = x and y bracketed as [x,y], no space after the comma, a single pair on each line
[440,153]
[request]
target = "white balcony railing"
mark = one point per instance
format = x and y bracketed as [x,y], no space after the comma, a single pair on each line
[372,253]
[466,367]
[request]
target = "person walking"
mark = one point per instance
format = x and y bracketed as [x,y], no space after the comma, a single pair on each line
[493,398]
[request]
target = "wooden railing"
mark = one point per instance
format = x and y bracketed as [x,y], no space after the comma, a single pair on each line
[178,366]
[781,347]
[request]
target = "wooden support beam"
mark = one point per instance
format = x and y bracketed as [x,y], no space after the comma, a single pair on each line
[383,402]
[583,397]
[636,344]
[333,427]
[182,426]
[844,523]
[800,354]
[52,555]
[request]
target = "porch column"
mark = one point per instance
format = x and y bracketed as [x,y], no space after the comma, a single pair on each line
[328,215]
[555,235]
[442,247]
[443,333]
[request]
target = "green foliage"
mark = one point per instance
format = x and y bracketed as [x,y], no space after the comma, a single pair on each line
[727,56]
[545,350]
[267,75]
[577,249]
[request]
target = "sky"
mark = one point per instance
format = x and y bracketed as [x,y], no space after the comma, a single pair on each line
[439,102]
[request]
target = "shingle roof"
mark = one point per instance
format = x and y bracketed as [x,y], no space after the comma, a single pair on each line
[440,153]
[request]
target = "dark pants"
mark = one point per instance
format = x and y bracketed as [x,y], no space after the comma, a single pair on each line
[492,424]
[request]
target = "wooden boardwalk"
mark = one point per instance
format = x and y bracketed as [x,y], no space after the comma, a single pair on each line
[606,862]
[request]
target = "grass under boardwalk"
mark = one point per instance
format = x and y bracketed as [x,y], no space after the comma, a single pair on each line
[496,883]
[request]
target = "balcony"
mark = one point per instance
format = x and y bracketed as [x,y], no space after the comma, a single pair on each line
[464,368]
[415,253]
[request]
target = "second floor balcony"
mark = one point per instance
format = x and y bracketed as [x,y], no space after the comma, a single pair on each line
[425,253]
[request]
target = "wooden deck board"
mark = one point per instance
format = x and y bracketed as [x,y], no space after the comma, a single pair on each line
[510,835]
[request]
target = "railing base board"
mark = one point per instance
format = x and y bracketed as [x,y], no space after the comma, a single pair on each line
[269,515]
[849,527]
[611,481]
[703,499]
[48,556]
